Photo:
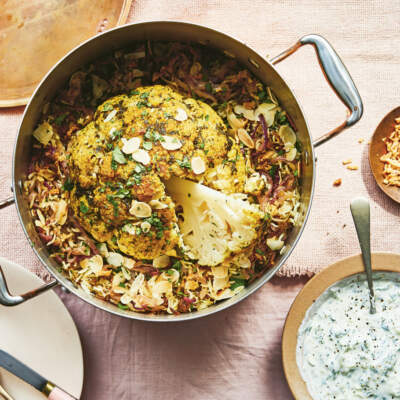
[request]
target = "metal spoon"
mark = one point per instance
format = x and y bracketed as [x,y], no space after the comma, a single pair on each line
[4,394]
[361,215]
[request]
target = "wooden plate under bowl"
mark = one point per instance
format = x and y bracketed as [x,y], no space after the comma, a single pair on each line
[311,291]
[377,149]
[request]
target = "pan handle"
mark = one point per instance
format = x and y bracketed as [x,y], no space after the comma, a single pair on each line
[6,202]
[7,299]
[337,76]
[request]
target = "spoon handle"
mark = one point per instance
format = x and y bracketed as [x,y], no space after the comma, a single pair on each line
[361,215]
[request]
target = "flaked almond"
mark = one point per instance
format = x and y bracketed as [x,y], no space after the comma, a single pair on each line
[288,136]
[161,261]
[131,145]
[61,212]
[352,167]
[220,271]
[243,261]
[173,275]
[227,293]
[157,204]
[145,226]
[198,165]
[220,283]
[337,182]
[345,162]
[129,262]
[171,143]
[248,114]
[110,116]
[245,138]
[129,228]
[94,264]
[102,248]
[115,259]
[291,154]
[141,156]
[268,110]
[181,115]
[140,209]
[43,133]
[125,272]
[275,243]
[235,122]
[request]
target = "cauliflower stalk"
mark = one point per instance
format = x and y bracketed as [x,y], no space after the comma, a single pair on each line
[215,226]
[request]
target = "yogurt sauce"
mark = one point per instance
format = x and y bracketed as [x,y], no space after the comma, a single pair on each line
[346,353]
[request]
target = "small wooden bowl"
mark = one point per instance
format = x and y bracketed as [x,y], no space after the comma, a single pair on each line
[311,291]
[378,148]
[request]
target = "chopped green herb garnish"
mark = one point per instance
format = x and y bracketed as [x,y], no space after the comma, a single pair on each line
[209,87]
[116,134]
[117,156]
[260,252]
[83,207]
[107,107]
[281,152]
[123,306]
[60,119]
[147,145]
[262,95]
[237,282]
[280,118]
[134,92]
[185,163]
[68,185]
[177,265]
[111,200]
[272,172]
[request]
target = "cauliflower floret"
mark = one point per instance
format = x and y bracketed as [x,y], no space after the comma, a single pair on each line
[214,226]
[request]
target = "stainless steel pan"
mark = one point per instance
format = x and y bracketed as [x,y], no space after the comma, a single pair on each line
[333,68]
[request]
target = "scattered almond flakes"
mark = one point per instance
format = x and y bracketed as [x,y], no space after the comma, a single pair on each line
[198,165]
[360,140]
[338,182]
[352,167]
[347,162]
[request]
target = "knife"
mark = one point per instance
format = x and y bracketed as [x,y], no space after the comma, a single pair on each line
[28,375]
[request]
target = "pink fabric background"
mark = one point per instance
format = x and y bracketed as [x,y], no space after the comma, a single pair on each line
[237,353]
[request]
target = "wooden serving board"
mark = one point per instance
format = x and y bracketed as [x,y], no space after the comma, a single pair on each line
[35,34]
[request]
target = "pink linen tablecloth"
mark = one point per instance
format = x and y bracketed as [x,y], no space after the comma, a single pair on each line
[237,353]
